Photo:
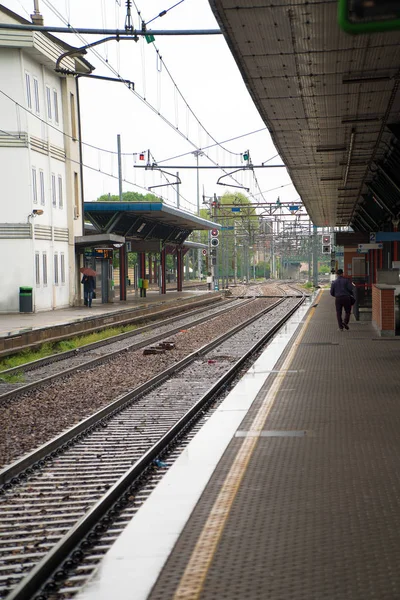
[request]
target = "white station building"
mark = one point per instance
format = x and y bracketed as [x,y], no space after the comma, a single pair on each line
[40,168]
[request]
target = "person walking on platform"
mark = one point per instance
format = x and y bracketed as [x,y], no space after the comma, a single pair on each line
[343,293]
[89,286]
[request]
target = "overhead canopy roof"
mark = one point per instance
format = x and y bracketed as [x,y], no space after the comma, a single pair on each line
[327,98]
[96,239]
[144,224]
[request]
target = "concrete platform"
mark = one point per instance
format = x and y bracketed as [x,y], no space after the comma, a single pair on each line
[303,497]
[17,329]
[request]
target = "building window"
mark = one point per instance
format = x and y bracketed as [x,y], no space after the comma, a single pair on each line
[34,185]
[60,192]
[62,267]
[36,94]
[76,195]
[42,189]
[55,98]
[44,264]
[56,268]
[53,189]
[37,268]
[28,90]
[48,100]
[73,117]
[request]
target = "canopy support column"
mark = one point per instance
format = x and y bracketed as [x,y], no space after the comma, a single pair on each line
[163,262]
[179,269]
[122,273]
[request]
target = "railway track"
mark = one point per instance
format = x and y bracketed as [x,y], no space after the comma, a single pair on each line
[53,499]
[45,370]
[87,323]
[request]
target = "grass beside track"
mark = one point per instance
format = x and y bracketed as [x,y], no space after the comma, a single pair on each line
[49,349]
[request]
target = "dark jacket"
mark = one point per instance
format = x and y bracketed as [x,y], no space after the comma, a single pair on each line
[88,283]
[341,287]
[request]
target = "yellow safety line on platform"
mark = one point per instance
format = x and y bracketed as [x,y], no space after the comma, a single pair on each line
[192,581]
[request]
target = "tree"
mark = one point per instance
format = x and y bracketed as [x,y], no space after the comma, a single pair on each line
[129,197]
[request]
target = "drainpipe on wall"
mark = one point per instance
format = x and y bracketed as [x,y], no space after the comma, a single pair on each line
[78,107]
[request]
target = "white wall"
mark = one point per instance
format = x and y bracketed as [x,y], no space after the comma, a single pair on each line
[16,269]
[12,85]
[16,187]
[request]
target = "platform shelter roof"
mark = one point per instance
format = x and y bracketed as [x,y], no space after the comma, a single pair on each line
[146,225]
[330,100]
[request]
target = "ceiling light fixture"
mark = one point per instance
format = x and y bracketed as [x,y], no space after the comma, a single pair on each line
[331,148]
[372,79]
[360,119]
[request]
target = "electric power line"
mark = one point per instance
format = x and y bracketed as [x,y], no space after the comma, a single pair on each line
[142,99]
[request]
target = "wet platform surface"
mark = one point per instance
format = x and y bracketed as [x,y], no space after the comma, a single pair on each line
[303,493]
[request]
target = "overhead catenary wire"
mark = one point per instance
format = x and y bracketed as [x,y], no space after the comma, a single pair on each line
[144,100]
[148,104]
[98,148]
[164,12]
[99,170]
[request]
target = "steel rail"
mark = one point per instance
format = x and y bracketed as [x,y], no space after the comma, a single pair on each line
[102,359]
[34,460]
[107,322]
[34,581]
[48,360]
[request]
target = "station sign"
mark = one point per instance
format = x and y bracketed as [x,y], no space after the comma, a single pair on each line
[99,253]
[105,253]
[235,209]
[370,246]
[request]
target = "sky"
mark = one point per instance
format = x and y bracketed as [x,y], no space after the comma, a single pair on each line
[188,96]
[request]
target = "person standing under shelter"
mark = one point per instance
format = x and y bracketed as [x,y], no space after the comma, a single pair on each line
[89,285]
[342,290]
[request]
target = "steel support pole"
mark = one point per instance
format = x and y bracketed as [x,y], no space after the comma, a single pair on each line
[122,273]
[163,271]
[199,260]
[179,269]
[315,256]
[119,167]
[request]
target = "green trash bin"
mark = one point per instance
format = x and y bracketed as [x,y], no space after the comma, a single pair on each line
[25,300]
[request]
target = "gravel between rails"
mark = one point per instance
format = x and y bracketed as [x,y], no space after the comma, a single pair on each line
[271,288]
[36,417]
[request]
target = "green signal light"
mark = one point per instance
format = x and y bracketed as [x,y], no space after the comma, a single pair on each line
[246,156]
